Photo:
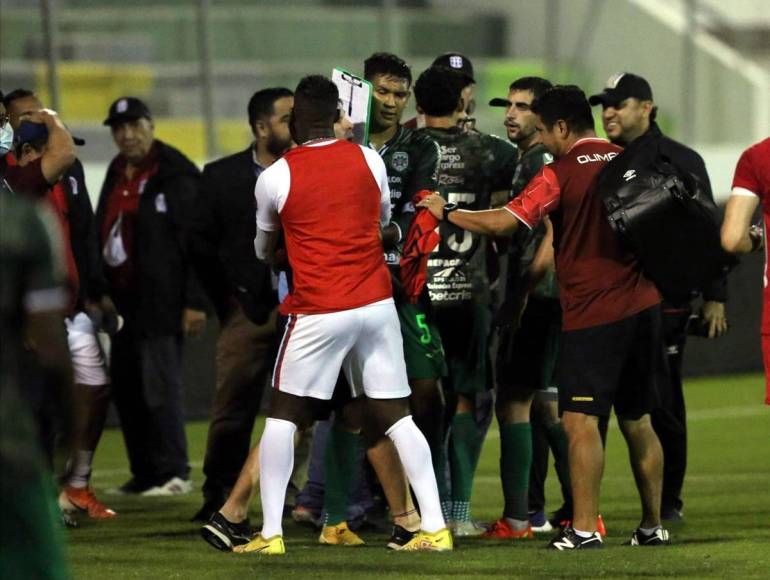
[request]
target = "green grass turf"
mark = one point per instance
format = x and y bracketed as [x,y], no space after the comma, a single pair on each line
[726,534]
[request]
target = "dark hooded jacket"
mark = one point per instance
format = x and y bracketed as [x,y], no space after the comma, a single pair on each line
[165,280]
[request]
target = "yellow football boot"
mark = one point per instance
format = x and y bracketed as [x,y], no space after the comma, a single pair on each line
[271,546]
[339,535]
[440,541]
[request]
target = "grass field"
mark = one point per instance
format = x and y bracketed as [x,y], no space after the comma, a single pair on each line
[726,532]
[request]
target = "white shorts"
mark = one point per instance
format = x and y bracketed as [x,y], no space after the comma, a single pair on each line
[88,362]
[365,343]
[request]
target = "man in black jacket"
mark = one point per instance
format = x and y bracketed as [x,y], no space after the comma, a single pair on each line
[628,114]
[143,221]
[240,287]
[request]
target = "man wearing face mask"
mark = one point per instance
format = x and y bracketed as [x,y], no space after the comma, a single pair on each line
[6,131]
[144,219]
[92,309]
[36,176]
[628,114]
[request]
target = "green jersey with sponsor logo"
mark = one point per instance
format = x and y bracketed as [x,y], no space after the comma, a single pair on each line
[525,242]
[471,167]
[411,160]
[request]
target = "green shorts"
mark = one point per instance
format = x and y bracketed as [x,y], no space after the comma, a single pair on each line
[465,332]
[423,351]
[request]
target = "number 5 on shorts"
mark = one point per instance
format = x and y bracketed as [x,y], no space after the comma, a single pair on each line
[425,336]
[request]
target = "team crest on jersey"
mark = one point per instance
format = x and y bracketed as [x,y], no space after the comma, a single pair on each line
[400,161]
[547,158]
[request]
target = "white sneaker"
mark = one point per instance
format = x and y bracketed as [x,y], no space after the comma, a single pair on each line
[546,527]
[174,486]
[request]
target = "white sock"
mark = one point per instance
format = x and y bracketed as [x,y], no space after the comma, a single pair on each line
[583,534]
[81,471]
[276,461]
[415,456]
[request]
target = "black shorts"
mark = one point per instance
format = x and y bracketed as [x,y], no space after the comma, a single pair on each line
[464,333]
[526,357]
[618,364]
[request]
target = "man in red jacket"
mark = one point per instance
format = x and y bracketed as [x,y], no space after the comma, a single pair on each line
[610,341]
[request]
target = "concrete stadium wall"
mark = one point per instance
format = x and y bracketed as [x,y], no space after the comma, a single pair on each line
[629,36]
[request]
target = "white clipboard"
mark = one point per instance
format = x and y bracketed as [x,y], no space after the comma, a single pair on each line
[356,102]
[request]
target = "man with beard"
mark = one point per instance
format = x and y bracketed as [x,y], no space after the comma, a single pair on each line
[241,290]
[527,333]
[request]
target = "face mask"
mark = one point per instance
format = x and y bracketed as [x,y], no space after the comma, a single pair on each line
[6,138]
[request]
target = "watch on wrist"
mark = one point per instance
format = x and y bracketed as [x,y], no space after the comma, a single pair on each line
[447,209]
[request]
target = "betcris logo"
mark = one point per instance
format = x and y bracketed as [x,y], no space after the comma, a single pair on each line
[596,157]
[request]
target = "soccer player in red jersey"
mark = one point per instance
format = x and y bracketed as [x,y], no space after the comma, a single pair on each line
[610,341]
[751,185]
[330,198]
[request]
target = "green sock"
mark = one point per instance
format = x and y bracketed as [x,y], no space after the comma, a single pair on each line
[515,464]
[462,449]
[340,461]
[557,439]
[438,455]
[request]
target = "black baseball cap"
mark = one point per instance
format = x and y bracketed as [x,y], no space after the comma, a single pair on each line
[456,61]
[620,87]
[127,109]
[29,132]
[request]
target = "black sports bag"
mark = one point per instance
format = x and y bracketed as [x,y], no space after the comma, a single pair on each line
[670,225]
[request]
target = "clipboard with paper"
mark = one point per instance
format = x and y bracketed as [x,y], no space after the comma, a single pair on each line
[356,102]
